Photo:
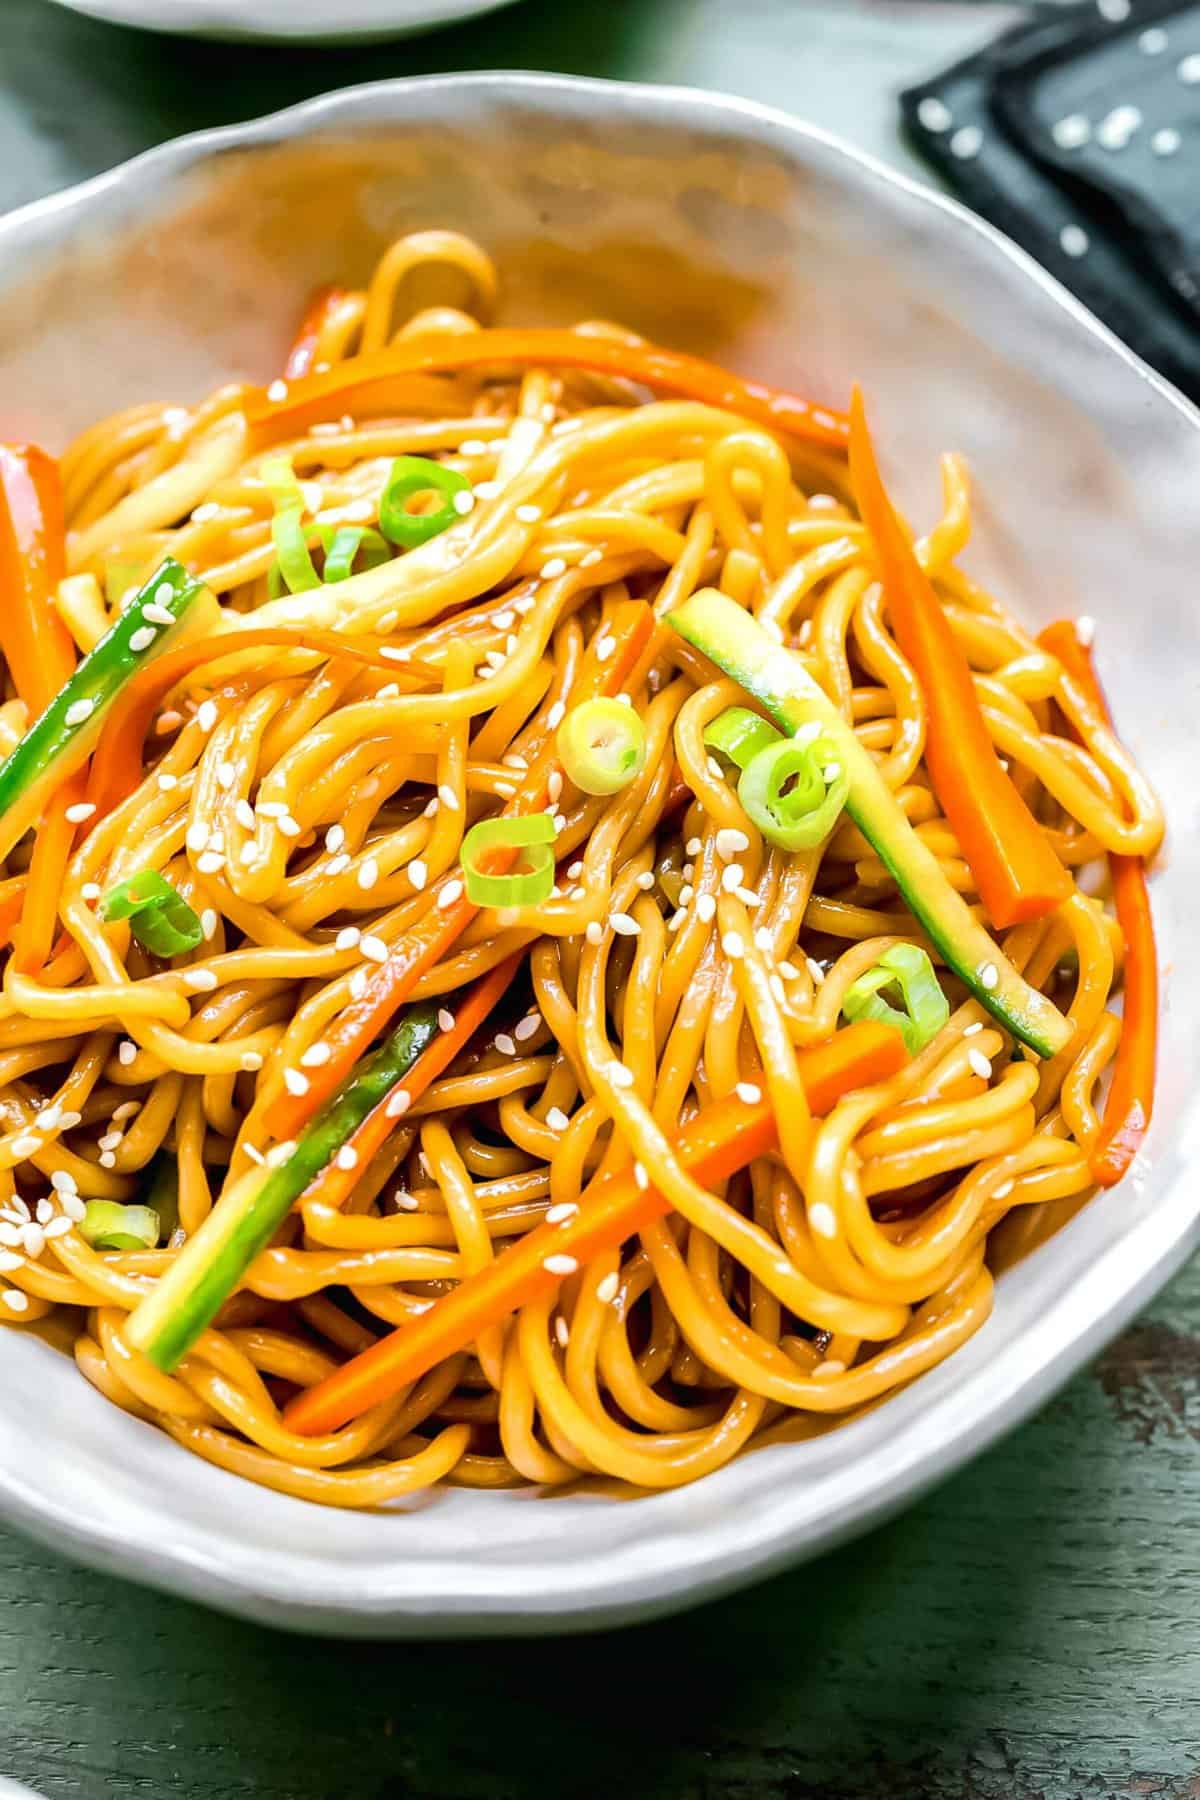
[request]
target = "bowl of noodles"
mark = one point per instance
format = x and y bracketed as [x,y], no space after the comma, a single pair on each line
[593,686]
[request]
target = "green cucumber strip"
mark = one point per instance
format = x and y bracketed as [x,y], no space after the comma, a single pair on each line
[211,1264]
[60,741]
[741,649]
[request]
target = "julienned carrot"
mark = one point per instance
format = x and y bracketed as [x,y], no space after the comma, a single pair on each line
[303,353]
[335,1184]
[1131,1097]
[41,656]
[1014,865]
[718,1141]
[12,899]
[117,763]
[373,384]
[631,625]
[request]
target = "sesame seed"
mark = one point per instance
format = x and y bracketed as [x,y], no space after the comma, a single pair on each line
[966,142]
[10,1234]
[244,813]
[557,1119]
[45,1212]
[486,490]
[605,646]
[706,908]
[408,1203]
[278,390]
[126,1053]
[646,880]
[373,948]
[211,863]
[565,1209]
[749,1091]
[619,1075]
[255,1154]
[157,615]
[556,715]
[196,836]
[90,890]
[1074,240]
[1152,42]
[973,1030]
[732,877]
[560,1265]
[1071,132]
[1189,70]
[209,920]
[339,864]
[247,853]
[747,896]
[732,945]
[989,976]
[527,1027]
[714,768]
[554,785]
[1166,141]
[831,1366]
[775,983]
[1004,1189]
[75,815]
[823,1220]
[1115,130]
[368,873]
[624,925]
[207,715]
[358,984]
[448,797]
[347,1157]
[562,1330]
[399,1103]
[445,1019]
[33,1239]
[167,781]
[590,560]
[934,114]
[730,842]
[278,1154]
[26,1144]
[395,653]
[551,570]
[57,1228]
[70,1120]
[50,1117]
[417,873]
[142,638]
[79,712]
[695,845]
[74,1208]
[251,1061]
[608,1288]
[594,932]
[201,981]
[291,828]
[10,1261]
[63,1182]
[110,1140]
[450,895]
[528,515]
[348,938]
[979,1063]
[15,1300]
[505,1044]
[677,919]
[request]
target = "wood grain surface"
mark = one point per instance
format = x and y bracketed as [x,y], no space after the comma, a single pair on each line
[1029,1632]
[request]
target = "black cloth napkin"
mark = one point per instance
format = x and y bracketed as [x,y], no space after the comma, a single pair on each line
[1078,134]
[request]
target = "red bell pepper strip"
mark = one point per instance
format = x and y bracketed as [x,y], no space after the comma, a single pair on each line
[1016,871]
[1130,1101]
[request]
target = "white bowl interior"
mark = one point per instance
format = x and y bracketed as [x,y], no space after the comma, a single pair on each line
[718,227]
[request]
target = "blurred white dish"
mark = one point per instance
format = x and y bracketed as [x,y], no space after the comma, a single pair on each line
[305,21]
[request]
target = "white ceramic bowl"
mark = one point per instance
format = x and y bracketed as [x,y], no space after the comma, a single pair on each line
[722,226]
[294,21]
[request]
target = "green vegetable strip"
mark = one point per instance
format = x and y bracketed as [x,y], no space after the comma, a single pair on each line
[738,735]
[247,1216]
[412,475]
[926,1008]
[61,740]
[737,644]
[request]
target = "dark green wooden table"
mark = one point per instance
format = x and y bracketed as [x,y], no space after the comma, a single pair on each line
[1032,1630]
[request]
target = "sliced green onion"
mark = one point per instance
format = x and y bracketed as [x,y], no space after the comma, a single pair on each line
[602,745]
[159,917]
[528,885]
[345,545]
[294,564]
[794,792]
[738,735]
[108,1225]
[906,970]
[412,475]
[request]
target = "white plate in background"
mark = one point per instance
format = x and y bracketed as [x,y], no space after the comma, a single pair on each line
[302,21]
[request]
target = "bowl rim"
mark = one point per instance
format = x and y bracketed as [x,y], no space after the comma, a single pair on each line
[699,1559]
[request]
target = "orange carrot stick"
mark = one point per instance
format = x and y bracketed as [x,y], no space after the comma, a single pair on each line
[374,384]
[303,353]
[718,1141]
[1014,865]
[631,624]
[1131,1097]
[335,1184]
[41,656]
